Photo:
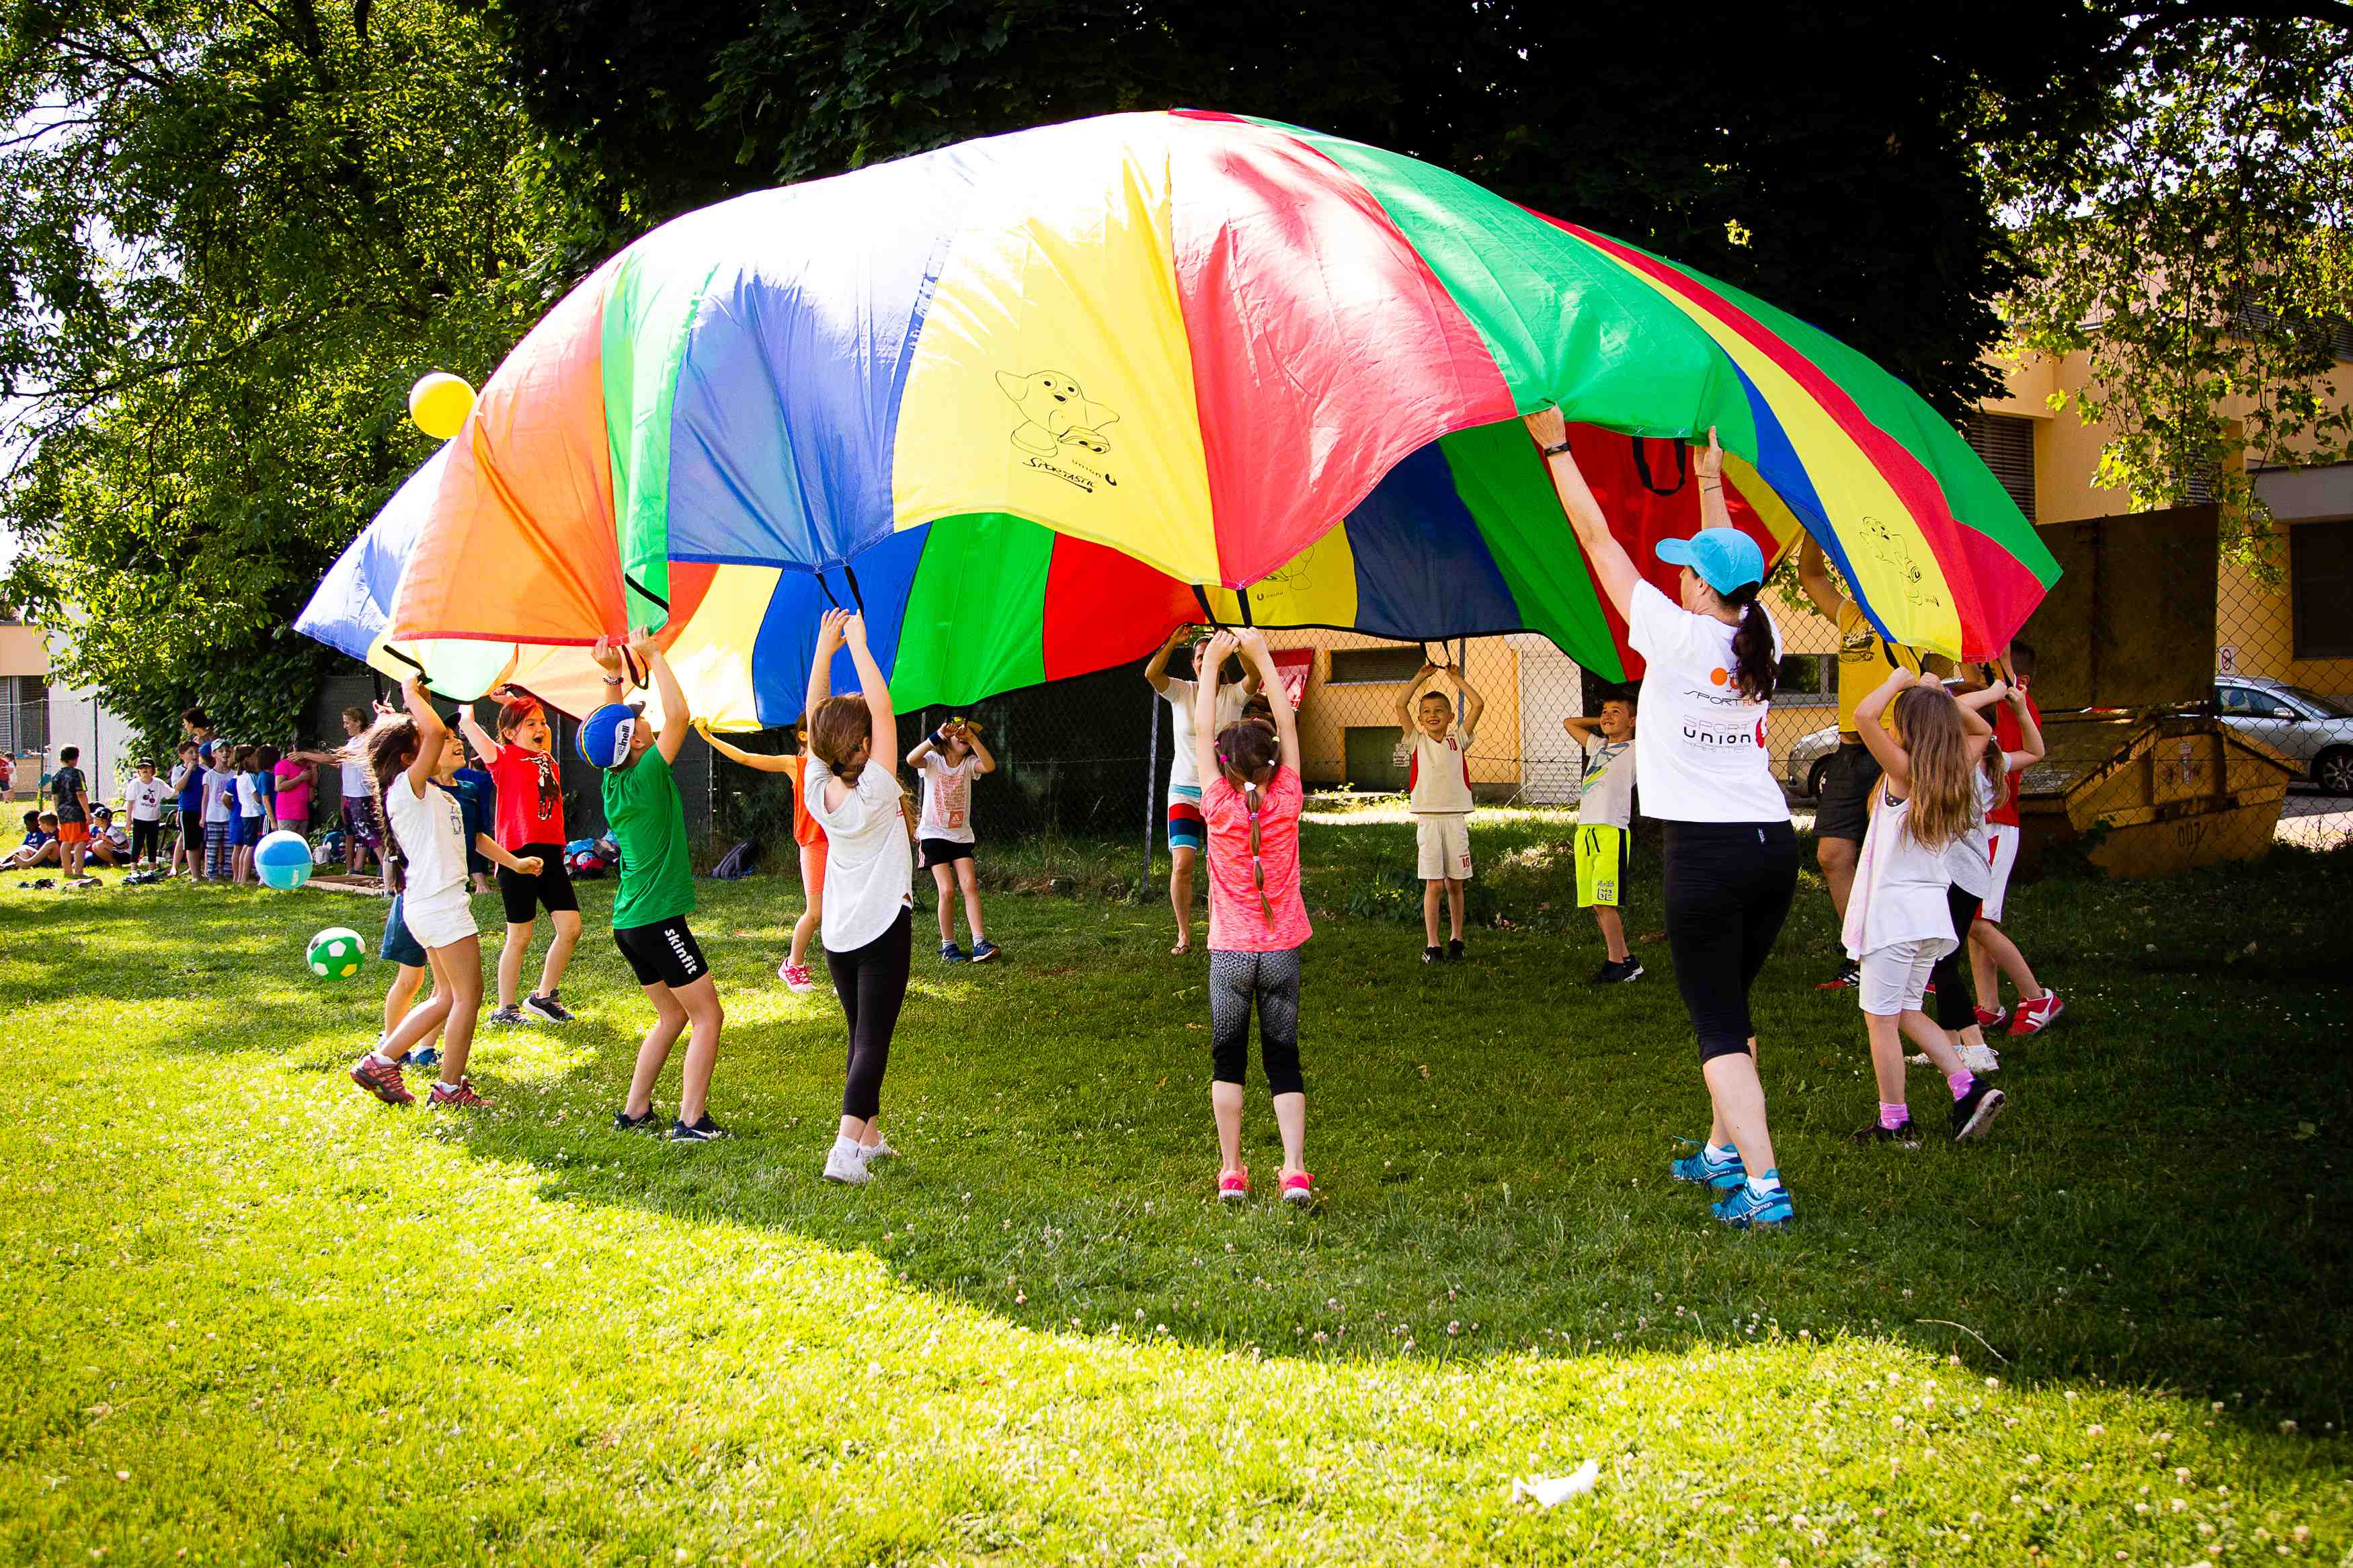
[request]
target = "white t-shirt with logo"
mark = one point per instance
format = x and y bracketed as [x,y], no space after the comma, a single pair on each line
[146,798]
[947,798]
[1441,774]
[1608,798]
[1179,695]
[870,866]
[431,828]
[1703,756]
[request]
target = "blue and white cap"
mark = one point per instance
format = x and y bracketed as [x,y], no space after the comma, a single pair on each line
[605,735]
[1725,558]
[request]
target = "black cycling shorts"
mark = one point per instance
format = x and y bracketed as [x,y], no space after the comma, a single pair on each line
[663,953]
[1845,809]
[944,851]
[550,890]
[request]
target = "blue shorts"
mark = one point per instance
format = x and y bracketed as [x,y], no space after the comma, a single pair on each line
[245,832]
[399,947]
[1186,828]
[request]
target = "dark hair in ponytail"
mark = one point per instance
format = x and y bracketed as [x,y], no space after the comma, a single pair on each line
[1756,667]
[388,748]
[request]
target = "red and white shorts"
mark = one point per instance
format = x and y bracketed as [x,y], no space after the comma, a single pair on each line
[2001,838]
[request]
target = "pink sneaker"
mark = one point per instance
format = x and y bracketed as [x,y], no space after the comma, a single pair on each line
[797,978]
[2039,1015]
[460,1093]
[1299,1187]
[382,1079]
[1233,1185]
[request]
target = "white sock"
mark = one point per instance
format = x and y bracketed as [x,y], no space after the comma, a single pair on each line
[381,1059]
[845,1148]
[1719,1152]
[1759,1186]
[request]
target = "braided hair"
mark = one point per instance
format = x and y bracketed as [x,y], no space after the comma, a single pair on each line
[388,748]
[1248,752]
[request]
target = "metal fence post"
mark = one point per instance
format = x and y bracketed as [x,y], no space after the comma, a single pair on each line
[1151,770]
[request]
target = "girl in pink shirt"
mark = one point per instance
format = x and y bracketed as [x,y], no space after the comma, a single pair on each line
[1258,921]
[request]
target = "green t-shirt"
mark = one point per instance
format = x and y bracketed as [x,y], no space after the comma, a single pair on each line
[648,820]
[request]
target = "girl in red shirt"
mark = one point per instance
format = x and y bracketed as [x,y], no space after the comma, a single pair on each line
[522,766]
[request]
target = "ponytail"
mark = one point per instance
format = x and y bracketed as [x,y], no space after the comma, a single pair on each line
[388,748]
[1756,668]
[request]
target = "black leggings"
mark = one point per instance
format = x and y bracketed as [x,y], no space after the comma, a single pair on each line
[1728,890]
[1957,1004]
[1271,980]
[146,840]
[872,981]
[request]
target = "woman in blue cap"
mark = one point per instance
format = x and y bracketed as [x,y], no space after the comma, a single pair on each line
[1731,856]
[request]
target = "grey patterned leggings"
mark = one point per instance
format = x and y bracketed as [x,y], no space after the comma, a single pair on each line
[1271,981]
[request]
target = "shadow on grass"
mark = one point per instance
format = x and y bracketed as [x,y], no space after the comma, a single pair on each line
[2161,1207]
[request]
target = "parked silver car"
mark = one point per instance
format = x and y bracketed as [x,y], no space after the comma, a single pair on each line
[2314,731]
[1802,769]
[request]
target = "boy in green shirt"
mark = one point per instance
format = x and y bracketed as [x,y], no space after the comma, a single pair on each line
[647,818]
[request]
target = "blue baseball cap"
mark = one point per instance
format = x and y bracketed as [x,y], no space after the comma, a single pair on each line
[604,734]
[1725,558]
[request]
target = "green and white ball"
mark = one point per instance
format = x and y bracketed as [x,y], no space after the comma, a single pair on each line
[337,953]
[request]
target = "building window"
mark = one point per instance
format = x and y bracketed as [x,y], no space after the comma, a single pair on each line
[1373,666]
[24,714]
[2321,576]
[2006,442]
[1806,678]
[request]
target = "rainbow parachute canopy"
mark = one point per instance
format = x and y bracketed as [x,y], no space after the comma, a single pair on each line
[1032,401]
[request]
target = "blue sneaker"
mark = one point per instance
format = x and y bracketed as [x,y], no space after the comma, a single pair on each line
[1748,1209]
[428,1057]
[950,953]
[983,951]
[1702,1169]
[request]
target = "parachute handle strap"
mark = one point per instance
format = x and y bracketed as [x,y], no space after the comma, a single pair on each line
[1642,467]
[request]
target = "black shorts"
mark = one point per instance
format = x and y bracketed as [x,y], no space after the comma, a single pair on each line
[663,953]
[551,889]
[1845,809]
[940,851]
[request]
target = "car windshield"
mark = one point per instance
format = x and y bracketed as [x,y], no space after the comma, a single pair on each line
[2327,707]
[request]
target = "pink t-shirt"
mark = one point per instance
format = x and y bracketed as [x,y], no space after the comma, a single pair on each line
[293,791]
[1238,921]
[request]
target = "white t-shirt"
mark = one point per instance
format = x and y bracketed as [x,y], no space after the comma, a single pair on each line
[1899,886]
[947,798]
[870,866]
[1442,773]
[1968,860]
[248,795]
[1608,799]
[356,781]
[1179,696]
[431,828]
[1703,755]
[146,798]
[220,789]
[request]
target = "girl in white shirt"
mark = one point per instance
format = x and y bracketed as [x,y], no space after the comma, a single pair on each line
[1187,831]
[869,921]
[1899,918]
[949,759]
[1731,856]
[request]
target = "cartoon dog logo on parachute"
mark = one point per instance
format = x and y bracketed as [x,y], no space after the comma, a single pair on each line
[1057,421]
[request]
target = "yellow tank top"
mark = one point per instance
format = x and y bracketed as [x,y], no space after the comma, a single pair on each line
[1864,658]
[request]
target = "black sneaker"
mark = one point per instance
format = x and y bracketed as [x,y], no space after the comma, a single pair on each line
[1849,976]
[1616,972]
[1454,950]
[1428,955]
[510,1014]
[1905,1136]
[625,1122]
[1974,1112]
[549,1009]
[703,1131]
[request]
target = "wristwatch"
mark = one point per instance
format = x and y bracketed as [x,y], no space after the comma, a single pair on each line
[1555,450]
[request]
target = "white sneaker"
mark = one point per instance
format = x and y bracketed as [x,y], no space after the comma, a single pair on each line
[879,1150]
[847,1168]
[1980,1059]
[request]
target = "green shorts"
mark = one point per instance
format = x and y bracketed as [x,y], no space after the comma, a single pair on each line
[1603,856]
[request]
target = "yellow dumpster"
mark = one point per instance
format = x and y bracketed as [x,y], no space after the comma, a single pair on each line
[2153,792]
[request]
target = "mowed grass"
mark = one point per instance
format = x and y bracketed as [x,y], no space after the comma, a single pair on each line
[252,1316]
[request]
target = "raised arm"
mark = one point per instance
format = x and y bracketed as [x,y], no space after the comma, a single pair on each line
[1814,577]
[430,734]
[485,745]
[1412,694]
[884,740]
[987,764]
[1278,700]
[762,761]
[1709,467]
[1867,716]
[677,718]
[1212,660]
[828,639]
[1155,670]
[2029,734]
[1473,703]
[1611,566]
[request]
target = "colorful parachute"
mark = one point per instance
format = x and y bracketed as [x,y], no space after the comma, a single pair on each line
[1031,401]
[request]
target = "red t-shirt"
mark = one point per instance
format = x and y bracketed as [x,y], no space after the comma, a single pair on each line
[2009,738]
[531,797]
[805,832]
[1237,921]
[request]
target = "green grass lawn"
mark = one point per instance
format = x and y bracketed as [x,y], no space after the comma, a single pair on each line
[253,1316]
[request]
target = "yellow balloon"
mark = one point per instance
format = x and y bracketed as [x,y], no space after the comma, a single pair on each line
[440,402]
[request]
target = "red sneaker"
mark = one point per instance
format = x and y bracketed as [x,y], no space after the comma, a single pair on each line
[460,1093]
[1299,1187]
[1233,1185]
[2039,1015]
[382,1079]
[1992,1017]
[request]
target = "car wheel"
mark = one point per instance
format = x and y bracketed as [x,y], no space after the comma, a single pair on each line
[1816,777]
[2333,770]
